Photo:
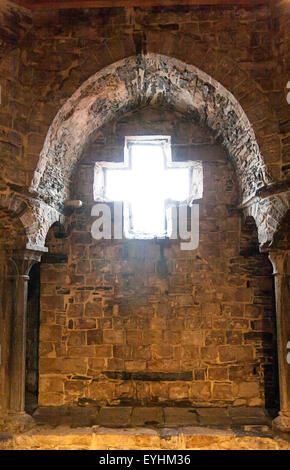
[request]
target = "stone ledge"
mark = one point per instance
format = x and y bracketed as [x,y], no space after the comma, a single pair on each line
[181,438]
[155,416]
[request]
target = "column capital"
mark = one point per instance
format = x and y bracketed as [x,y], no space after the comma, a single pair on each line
[278,259]
[21,261]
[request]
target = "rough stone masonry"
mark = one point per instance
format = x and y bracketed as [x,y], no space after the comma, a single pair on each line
[141,323]
[116,330]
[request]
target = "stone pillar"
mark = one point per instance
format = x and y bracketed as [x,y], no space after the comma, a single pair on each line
[4,332]
[280,260]
[16,287]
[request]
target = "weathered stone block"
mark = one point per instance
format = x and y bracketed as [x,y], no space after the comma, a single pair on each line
[213,416]
[210,353]
[248,389]
[179,392]
[101,392]
[215,337]
[113,336]
[62,365]
[85,324]
[234,337]
[51,384]
[81,351]
[200,391]
[193,338]
[175,416]
[115,416]
[161,351]
[222,391]
[94,337]
[147,416]
[75,310]
[52,302]
[96,364]
[116,364]
[76,338]
[50,332]
[103,350]
[218,373]
[93,309]
[134,336]
[50,399]
[135,365]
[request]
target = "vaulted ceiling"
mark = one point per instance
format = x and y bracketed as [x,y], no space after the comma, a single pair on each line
[60,4]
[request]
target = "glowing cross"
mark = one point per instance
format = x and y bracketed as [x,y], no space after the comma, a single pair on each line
[147,182]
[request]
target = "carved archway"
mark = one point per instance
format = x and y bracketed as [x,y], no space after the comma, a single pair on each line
[135,81]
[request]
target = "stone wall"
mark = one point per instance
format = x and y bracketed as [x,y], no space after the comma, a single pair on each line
[14,25]
[281,18]
[47,55]
[118,326]
[44,58]
[238,46]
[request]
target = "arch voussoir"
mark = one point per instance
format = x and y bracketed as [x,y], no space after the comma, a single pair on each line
[138,81]
[121,87]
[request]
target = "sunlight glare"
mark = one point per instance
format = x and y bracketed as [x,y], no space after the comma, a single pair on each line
[146,186]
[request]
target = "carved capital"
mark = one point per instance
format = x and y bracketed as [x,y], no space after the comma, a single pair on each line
[278,259]
[21,261]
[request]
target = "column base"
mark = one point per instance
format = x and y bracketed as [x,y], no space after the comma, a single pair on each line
[282,422]
[14,422]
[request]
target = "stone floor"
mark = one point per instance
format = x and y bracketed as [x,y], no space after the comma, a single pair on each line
[124,428]
[250,437]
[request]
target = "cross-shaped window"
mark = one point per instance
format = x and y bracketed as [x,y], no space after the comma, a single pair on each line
[148,183]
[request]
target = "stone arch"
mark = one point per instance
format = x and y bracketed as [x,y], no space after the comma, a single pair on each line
[224,65]
[140,80]
[232,73]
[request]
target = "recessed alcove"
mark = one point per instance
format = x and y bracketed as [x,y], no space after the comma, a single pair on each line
[142,342]
[120,334]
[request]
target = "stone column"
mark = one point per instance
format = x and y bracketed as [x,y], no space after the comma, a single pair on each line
[4,332]
[280,260]
[16,287]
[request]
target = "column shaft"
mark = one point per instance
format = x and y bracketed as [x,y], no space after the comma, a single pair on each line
[279,260]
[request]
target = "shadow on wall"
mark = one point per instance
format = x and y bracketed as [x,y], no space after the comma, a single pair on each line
[263,331]
[32,340]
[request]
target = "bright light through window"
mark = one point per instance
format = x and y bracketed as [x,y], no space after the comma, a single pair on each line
[147,183]
[146,187]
